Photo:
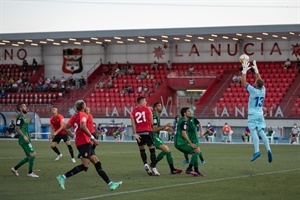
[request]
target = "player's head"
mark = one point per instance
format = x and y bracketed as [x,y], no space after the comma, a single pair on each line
[259,83]
[22,108]
[80,105]
[157,107]
[87,110]
[54,110]
[141,101]
[185,112]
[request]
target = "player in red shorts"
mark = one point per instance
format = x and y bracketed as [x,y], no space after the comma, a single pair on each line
[58,133]
[83,143]
[142,123]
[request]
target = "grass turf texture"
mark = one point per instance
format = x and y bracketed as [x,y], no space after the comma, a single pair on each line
[230,175]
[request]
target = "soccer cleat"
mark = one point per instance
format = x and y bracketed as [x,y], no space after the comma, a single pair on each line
[191,173]
[203,162]
[148,170]
[255,156]
[155,172]
[185,162]
[114,185]
[270,157]
[176,171]
[14,171]
[61,181]
[73,160]
[32,175]
[58,157]
[198,174]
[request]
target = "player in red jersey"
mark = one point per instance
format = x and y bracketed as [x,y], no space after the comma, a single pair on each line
[90,124]
[83,143]
[58,133]
[142,127]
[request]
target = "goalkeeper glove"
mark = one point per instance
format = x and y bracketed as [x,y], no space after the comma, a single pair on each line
[255,67]
[246,67]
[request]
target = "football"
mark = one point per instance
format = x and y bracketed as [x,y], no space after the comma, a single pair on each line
[243,58]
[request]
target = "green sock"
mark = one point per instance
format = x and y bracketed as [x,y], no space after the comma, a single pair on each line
[194,159]
[201,156]
[186,156]
[31,162]
[22,162]
[170,158]
[160,156]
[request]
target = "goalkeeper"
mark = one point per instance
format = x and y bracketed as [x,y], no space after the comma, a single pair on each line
[256,120]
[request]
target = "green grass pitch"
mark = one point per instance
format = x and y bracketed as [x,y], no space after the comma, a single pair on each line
[230,175]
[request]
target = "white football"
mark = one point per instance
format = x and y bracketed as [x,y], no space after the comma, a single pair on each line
[243,58]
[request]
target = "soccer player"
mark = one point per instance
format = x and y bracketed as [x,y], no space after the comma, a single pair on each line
[90,124]
[24,141]
[158,142]
[102,131]
[142,128]
[185,145]
[83,143]
[57,124]
[119,133]
[194,131]
[256,120]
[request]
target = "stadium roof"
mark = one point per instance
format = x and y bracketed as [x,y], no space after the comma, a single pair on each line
[148,36]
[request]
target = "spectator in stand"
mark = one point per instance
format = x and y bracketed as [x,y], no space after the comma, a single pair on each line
[140,89]
[130,69]
[191,69]
[14,87]
[129,89]
[53,79]
[25,65]
[20,80]
[146,90]
[28,87]
[287,64]
[157,84]
[143,75]
[169,65]
[295,131]
[3,94]
[54,87]
[117,70]
[154,66]
[101,84]
[34,65]
[108,68]
[236,78]
[101,130]
[71,82]
[210,131]
[110,83]
[11,81]
[82,82]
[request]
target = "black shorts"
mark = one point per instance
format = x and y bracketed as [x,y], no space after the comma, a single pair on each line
[85,151]
[294,135]
[59,137]
[146,140]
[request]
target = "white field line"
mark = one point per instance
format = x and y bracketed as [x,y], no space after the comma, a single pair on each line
[189,183]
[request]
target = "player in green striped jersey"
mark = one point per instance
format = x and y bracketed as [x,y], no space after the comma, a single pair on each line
[24,141]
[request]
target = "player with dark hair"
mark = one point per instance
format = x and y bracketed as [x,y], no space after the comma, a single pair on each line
[158,142]
[256,120]
[83,143]
[185,145]
[142,128]
[24,141]
[57,124]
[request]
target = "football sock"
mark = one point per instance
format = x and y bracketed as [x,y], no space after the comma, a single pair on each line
[160,156]
[143,156]
[153,157]
[201,156]
[186,156]
[22,162]
[101,172]
[55,149]
[31,162]
[243,138]
[264,139]
[71,151]
[170,158]
[75,170]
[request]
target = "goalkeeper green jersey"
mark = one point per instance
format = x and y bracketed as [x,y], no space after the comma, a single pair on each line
[23,124]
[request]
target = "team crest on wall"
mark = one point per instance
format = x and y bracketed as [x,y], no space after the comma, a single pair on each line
[72,61]
[159,52]
[296,49]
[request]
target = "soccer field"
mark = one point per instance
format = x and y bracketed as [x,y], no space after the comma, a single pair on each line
[230,175]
